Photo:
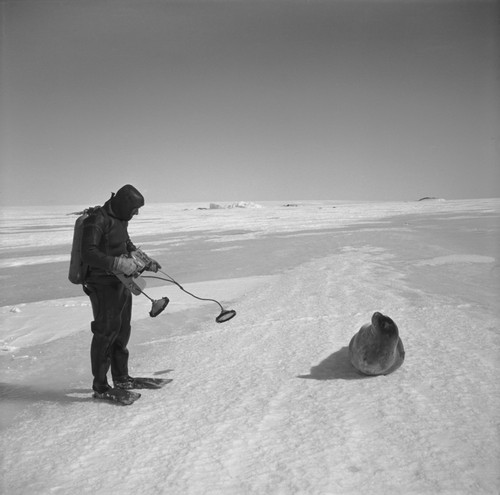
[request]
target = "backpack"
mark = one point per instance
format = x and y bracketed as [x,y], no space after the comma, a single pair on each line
[77,268]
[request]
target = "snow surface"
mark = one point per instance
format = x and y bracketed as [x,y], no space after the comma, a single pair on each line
[266,403]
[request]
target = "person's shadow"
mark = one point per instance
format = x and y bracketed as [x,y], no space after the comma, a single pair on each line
[335,367]
[23,393]
[26,393]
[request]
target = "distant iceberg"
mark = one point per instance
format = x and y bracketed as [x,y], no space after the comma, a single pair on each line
[239,204]
[431,198]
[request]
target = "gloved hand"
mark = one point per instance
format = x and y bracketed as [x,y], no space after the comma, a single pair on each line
[144,261]
[125,265]
[154,266]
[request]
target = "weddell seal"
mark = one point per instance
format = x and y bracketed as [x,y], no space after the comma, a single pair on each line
[377,349]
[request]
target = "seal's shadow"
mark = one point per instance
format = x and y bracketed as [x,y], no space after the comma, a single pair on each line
[335,367]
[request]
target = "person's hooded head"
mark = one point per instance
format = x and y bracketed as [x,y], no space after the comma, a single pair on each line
[126,202]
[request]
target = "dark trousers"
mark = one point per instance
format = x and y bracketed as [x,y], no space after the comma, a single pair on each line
[112,308]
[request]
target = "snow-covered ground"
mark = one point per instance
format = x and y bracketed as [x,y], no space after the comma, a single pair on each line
[266,403]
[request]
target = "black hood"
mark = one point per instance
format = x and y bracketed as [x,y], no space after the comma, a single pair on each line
[125,201]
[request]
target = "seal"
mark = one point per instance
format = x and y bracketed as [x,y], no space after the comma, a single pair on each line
[376,349]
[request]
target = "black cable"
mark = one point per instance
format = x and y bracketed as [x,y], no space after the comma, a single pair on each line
[172,281]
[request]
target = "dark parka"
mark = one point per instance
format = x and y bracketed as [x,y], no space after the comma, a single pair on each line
[105,235]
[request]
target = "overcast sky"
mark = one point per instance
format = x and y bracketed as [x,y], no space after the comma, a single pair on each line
[245,100]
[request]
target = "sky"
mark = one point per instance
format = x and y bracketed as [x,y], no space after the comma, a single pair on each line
[247,100]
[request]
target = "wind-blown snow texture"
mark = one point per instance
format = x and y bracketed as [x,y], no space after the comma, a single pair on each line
[266,403]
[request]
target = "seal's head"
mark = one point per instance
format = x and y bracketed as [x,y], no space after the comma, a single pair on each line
[126,202]
[384,324]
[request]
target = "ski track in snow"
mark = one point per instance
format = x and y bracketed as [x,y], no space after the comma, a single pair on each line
[268,403]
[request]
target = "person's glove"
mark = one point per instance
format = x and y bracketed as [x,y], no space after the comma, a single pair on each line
[145,262]
[154,266]
[125,265]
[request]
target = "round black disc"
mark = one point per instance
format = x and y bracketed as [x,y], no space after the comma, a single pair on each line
[225,315]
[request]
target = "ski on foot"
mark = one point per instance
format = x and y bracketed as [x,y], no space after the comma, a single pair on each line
[142,382]
[125,397]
